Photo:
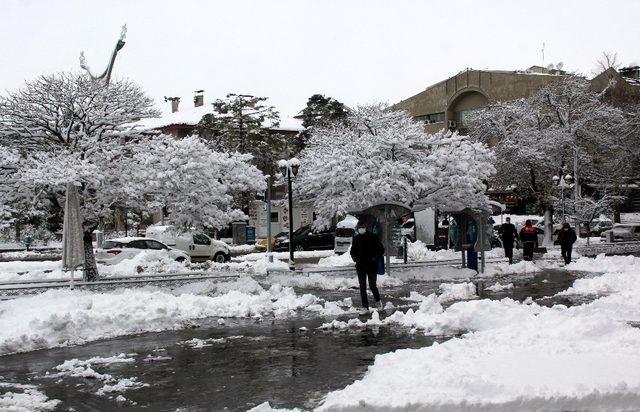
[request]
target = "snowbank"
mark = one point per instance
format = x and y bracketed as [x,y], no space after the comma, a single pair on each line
[27,398]
[336,260]
[75,317]
[330,282]
[513,356]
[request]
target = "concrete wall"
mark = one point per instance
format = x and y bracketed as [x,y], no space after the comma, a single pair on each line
[472,89]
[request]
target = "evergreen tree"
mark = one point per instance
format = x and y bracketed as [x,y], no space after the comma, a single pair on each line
[243,124]
[319,112]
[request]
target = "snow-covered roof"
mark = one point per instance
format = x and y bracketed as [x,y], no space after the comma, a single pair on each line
[191,116]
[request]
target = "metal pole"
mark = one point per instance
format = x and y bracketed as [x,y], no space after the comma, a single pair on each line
[404,249]
[291,260]
[269,255]
[387,238]
[562,191]
[576,186]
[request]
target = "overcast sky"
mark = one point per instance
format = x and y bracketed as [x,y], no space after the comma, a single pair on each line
[287,50]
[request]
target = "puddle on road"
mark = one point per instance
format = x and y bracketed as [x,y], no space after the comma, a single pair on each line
[246,362]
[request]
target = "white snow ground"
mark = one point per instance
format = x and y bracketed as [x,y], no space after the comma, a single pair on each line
[515,356]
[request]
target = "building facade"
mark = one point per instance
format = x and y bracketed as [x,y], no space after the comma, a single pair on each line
[446,104]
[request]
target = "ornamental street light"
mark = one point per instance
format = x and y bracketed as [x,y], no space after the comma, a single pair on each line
[289,169]
[562,183]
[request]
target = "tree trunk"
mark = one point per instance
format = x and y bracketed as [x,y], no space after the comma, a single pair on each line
[616,214]
[90,267]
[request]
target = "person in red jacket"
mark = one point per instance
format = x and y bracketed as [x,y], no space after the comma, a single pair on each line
[529,238]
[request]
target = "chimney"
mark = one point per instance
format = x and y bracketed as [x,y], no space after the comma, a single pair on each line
[175,101]
[198,99]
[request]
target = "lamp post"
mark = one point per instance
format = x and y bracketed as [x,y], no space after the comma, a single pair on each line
[268,199]
[562,183]
[289,169]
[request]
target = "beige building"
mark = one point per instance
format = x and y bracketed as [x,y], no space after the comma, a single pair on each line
[445,104]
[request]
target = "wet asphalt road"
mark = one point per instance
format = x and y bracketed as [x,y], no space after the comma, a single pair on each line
[250,362]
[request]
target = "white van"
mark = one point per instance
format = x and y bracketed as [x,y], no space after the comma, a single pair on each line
[197,245]
[345,229]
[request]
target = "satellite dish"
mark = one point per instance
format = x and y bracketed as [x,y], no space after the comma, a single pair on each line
[550,67]
[559,66]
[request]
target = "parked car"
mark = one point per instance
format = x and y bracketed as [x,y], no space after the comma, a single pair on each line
[261,244]
[623,232]
[345,229]
[197,245]
[116,250]
[408,230]
[596,227]
[306,238]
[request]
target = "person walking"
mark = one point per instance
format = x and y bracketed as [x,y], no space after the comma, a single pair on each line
[508,234]
[529,238]
[366,250]
[566,237]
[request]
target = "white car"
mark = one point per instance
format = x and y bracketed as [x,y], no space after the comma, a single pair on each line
[197,245]
[116,250]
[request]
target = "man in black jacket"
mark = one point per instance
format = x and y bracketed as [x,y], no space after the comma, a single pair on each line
[508,234]
[566,237]
[366,249]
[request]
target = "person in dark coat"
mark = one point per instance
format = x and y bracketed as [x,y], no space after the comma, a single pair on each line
[508,234]
[366,250]
[529,238]
[566,237]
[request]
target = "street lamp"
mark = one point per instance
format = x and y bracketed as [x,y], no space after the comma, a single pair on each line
[562,183]
[289,169]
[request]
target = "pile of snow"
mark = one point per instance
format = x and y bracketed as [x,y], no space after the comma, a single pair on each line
[28,270]
[285,255]
[523,267]
[263,266]
[19,397]
[329,282]
[149,262]
[456,291]
[337,260]
[418,251]
[76,317]
[77,368]
[497,287]
[514,355]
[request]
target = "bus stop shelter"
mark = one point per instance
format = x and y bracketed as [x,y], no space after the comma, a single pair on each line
[385,213]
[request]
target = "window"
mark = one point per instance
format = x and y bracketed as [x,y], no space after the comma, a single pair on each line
[275,218]
[111,245]
[137,244]
[430,118]
[152,244]
[201,239]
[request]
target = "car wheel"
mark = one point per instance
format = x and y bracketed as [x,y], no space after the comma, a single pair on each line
[299,248]
[180,259]
[219,257]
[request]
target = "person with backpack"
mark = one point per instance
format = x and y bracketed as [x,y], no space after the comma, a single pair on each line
[529,238]
[366,250]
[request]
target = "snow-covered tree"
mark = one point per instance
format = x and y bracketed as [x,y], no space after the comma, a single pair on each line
[536,138]
[71,128]
[381,155]
[194,182]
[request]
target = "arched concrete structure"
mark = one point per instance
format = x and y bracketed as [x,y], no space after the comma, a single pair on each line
[466,99]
